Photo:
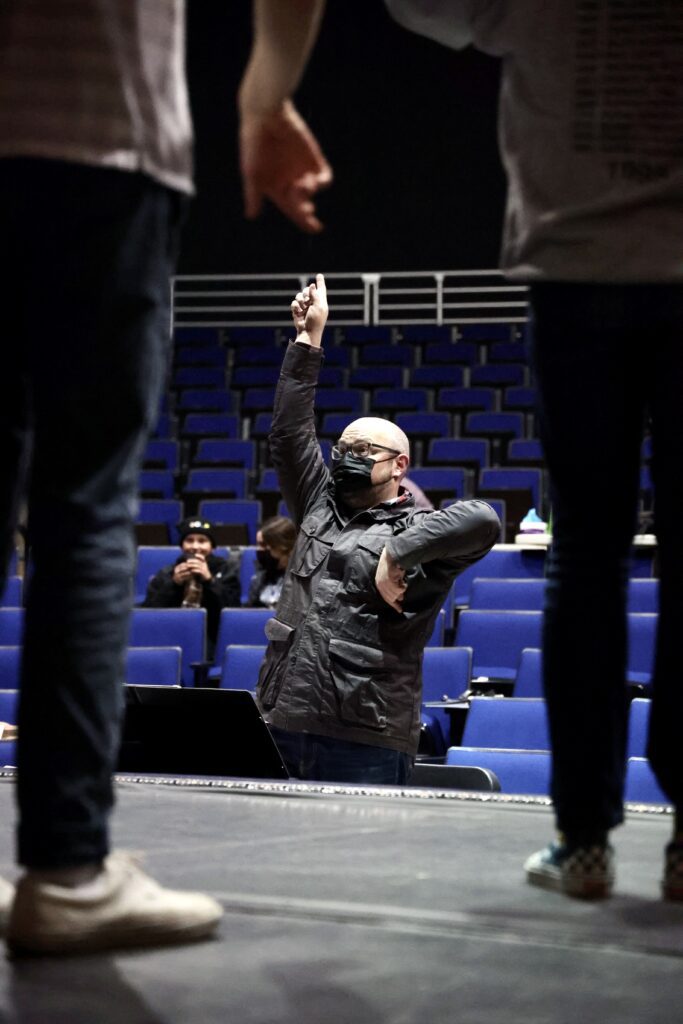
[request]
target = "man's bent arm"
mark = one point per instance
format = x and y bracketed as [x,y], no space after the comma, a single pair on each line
[461,533]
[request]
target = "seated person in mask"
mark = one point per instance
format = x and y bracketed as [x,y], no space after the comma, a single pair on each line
[197,579]
[274,542]
[341,682]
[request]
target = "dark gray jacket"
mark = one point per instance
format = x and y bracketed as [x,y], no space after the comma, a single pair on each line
[341,662]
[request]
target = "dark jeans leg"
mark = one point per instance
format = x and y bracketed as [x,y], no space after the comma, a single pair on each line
[94,252]
[323,759]
[593,369]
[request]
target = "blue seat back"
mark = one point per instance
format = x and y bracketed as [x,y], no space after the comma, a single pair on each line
[513,479]
[529,678]
[494,423]
[207,400]
[500,561]
[437,635]
[241,664]
[497,639]
[642,632]
[524,594]
[498,374]
[11,627]
[518,771]
[217,481]
[445,675]
[638,725]
[150,559]
[227,453]
[248,566]
[172,627]
[461,449]
[234,511]
[428,424]
[241,626]
[13,592]
[163,451]
[169,512]
[400,398]
[643,595]
[641,784]
[9,706]
[466,398]
[211,424]
[10,667]
[158,481]
[507,723]
[440,478]
[436,376]
[153,666]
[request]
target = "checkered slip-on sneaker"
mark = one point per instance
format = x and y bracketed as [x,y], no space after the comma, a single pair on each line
[584,871]
[672,883]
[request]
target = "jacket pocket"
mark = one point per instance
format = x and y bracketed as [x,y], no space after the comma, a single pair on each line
[280,635]
[311,549]
[358,678]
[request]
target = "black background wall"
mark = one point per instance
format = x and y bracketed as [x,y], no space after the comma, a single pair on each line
[408,126]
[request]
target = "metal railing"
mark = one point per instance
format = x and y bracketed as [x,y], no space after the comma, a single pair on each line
[393,297]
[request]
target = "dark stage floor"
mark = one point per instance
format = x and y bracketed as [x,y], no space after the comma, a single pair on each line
[368,909]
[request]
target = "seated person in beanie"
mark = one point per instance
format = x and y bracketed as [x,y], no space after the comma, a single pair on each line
[197,579]
[274,541]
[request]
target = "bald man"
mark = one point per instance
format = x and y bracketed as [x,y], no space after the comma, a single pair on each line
[341,682]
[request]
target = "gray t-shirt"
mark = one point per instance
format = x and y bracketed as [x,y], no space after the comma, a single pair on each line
[590,129]
[100,82]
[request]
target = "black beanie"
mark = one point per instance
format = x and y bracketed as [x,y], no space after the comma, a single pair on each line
[195,525]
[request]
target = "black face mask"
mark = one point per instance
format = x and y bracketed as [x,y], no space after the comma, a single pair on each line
[352,473]
[267,561]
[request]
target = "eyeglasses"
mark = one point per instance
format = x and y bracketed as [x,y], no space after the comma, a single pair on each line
[361,449]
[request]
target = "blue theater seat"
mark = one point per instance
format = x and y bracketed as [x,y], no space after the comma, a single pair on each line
[10,667]
[507,723]
[153,666]
[241,664]
[497,639]
[229,511]
[172,627]
[13,592]
[518,771]
[641,783]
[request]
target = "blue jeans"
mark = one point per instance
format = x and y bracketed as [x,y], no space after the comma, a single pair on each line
[606,357]
[323,759]
[86,311]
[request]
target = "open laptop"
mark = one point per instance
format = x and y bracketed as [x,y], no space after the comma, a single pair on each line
[175,730]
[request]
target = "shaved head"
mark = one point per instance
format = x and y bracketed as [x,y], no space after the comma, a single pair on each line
[378,430]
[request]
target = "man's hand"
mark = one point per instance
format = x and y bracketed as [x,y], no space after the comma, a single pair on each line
[309,312]
[390,581]
[281,160]
[195,566]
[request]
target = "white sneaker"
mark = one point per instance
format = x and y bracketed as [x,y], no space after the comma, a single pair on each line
[122,907]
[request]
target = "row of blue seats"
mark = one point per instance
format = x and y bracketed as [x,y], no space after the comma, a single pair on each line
[185,628]
[247,336]
[425,387]
[457,483]
[375,353]
[417,425]
[497,638]
[464,452]
[510,738]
